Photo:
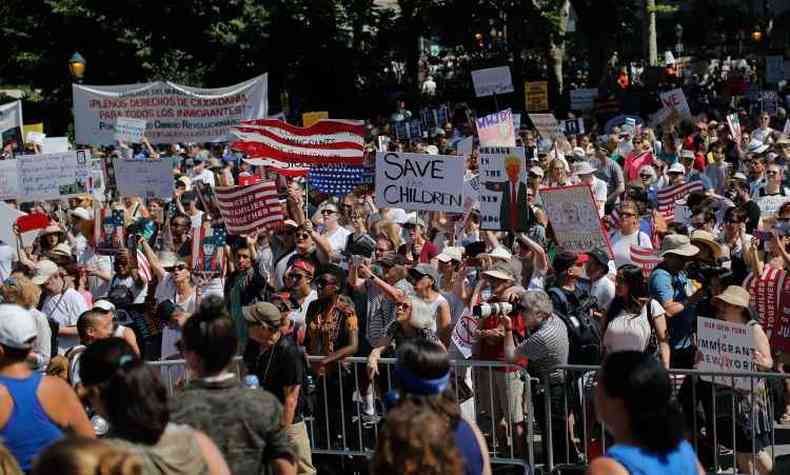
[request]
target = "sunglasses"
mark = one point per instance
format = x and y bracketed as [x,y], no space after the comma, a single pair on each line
[325,282]
[302,236]
[180,267]
[328,212]
[295,276]
[645,177]
[772,172]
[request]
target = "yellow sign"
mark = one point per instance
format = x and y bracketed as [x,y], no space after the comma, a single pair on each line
[310,118]
[537,96]
[32,128]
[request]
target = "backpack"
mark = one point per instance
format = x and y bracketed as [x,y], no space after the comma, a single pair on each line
[584,334]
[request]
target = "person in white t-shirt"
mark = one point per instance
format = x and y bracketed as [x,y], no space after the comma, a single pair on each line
[628,235]
[601,283]
[7,258]
[585,172]
[200,173]
[62,304]
[336,234]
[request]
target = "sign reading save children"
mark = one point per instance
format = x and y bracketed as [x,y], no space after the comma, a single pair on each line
[415,181]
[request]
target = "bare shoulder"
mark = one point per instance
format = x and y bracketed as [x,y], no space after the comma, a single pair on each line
[606,466]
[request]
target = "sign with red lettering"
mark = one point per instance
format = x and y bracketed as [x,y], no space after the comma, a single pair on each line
[249,208]
[674,100]
[766,290]
[726,347]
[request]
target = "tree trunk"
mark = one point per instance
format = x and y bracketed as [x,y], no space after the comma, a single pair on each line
[555,55]
[650,42]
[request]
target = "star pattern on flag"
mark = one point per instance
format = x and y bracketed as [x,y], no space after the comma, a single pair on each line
[219,234]
[339,180]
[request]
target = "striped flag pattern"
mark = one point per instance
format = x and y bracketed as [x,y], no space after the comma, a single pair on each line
[646,259]
[280,168]
[667,197]
[249,208]
[328,142]
[143,266]
[338,180]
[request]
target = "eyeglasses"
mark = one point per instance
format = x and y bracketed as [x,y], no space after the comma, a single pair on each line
[645,177]
[734,221]
[326,212]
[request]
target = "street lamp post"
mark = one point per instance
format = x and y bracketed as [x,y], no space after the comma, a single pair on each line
[77,67]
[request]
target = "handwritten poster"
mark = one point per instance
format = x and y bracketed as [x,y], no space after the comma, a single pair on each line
[148,178]
[9,180]
[727,347]
[492,81]
[129,130]
[54,176]
[496,130]
[414,181]
[574,217]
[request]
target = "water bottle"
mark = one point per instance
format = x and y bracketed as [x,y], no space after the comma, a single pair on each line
[251,381]
[100,425]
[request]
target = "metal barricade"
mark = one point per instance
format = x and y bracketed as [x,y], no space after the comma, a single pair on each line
[339,426]
[718,407]
[174,374]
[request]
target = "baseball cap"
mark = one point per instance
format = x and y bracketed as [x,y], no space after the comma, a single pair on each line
[17,327]
[426,269]
[677,168]
[600,256]
[538,171]
[81,213]
[262,312]
[44,270]
[499,252]
[104,305]
[415,220]
[502,271]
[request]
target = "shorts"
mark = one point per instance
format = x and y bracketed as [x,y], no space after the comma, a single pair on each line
[507,397]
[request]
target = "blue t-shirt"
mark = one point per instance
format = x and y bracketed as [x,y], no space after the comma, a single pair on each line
[638,461]
[664,287]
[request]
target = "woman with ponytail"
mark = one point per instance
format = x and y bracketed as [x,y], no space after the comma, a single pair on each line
[633,399]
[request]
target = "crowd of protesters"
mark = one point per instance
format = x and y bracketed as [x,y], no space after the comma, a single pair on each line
[341,277]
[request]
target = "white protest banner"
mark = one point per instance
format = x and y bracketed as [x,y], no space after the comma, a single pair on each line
[464,332]
[725,346]
[414,181]
[573,126]
[129,130]
[11,121]
[583,99]
[496,130]
[54,176]
[503,189]
[574,217]
[546,125]
[36,138]
[9,180]
[146,178]
[55,145]
[174,113]
[490,81]
[774,68]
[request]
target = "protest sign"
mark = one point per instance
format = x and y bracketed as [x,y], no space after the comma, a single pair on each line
[765,290]
[726,347]
[574,218]
[174,113]
[780,337]
[310,118]
[414,181]
[516,121]
[734,124]
[9,180]
[668,197]
[573,126]
[496,130]
[8,217]
[37,127]
[54,176]
[281,168]
[436,117]
[245,209]
[491,81]
[471,192]
[674,104]
[774,68]
[503,189]
[55,145]
[109,231]
[129,130]
[11,122]
[770,103]
[546,125]
[146,178]
[208,249]
[464,332]
[583,99]
[536,94]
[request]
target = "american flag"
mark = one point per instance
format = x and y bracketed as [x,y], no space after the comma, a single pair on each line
[328,142]
[245,209]
[667,197]
[645,258]
[339,180]
[143,266]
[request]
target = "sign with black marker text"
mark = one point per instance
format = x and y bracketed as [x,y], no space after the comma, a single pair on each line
[414,181]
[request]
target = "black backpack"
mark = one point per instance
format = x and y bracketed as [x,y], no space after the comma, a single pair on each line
[584,333]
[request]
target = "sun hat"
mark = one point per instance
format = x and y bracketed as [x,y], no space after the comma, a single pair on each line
[426,269]
[499,252]
[583,168]
[17,327]
[679,245]
[706,239]
[44,270]
[734,295]
[62,249]
[214,163]
[263,312]
[502,271]
[536,171]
